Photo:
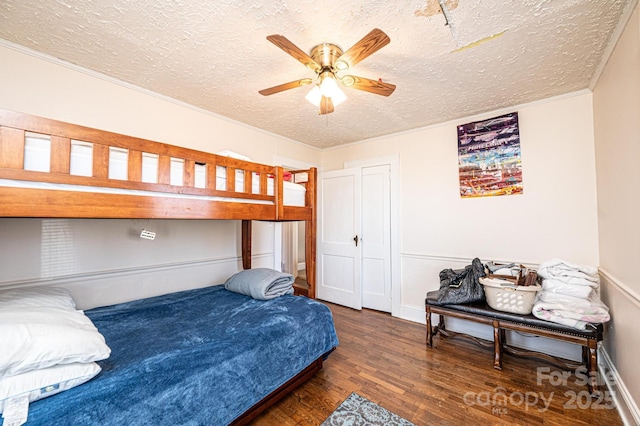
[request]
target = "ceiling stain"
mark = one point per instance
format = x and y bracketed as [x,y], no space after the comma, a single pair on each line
[479,42]
[433,8]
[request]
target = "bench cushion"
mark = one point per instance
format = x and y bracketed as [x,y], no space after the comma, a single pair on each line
[593,331]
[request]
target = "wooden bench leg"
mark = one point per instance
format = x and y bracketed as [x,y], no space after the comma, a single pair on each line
[429,329]
[497,345]
[503,342]
[592,365]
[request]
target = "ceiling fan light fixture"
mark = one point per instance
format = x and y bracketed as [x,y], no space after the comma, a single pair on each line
[314,96]
[330,89]
[328,84]
[338,97]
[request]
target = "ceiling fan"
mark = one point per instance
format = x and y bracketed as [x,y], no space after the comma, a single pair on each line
[327,60]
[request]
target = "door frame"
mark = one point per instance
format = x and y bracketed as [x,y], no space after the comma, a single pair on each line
[279,232]
[394,173]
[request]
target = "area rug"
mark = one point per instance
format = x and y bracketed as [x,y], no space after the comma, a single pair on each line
[359,411]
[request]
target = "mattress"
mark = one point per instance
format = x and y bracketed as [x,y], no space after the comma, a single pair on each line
[194,357]
[294,194]
[37,154]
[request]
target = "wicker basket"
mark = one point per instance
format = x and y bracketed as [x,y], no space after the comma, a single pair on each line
[505,296]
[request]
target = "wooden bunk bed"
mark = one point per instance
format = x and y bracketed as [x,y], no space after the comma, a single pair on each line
[251,191]
[147,185]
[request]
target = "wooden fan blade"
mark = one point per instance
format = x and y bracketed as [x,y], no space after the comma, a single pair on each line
[372,86]
[326,106]
[285,86]
[283,43]
[368,45]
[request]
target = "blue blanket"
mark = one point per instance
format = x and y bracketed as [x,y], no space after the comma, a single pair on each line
[197,357]
[261,283]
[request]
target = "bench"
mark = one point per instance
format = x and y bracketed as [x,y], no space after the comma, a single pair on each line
[502,321]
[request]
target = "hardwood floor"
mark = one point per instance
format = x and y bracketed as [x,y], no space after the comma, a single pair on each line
[386,360]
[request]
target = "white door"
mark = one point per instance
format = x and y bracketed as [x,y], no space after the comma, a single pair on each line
[376,236]
[338,238]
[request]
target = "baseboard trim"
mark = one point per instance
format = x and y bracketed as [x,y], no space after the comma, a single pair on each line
[413,313]
[625,404]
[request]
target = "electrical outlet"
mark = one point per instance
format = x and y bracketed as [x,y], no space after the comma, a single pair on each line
[148,235]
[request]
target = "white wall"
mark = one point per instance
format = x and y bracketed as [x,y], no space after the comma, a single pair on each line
[616,101]
[104,261]
[556,216]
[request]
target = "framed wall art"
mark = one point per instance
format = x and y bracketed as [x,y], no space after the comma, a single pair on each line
[489,162]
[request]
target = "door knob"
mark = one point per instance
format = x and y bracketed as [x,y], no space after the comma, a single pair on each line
[356,240]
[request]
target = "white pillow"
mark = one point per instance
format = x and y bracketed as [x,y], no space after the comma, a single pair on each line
[35,338]
[38,384]
[53,297]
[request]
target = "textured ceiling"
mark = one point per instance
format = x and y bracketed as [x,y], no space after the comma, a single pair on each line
[214,54]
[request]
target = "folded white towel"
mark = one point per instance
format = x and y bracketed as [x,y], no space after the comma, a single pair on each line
[575,290]
[560,265]
[570,311]
[569,301]
[576,278]
[569,273]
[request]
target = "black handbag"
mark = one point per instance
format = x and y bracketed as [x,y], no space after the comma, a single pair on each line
[460,286]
